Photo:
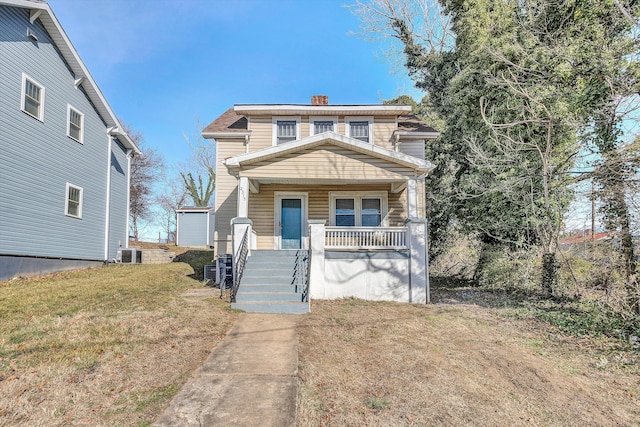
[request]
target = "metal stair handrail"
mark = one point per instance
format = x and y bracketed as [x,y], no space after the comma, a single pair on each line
[301,273]
[239,264]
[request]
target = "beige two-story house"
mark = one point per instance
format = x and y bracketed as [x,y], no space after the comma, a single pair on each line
[351,174]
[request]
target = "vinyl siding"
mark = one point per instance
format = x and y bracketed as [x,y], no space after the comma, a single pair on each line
[192,229]
[412,148]
[226,197]
[328,162]
[37,158]
[383,128]
[118,209]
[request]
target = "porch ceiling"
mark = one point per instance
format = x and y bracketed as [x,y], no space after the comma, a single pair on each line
[395,185]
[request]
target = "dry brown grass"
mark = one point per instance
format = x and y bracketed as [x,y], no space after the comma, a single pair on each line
[102,347]
[386,364]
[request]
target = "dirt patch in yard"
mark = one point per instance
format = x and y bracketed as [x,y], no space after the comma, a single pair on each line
[386,364]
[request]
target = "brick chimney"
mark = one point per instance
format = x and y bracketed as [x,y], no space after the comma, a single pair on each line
[319,100]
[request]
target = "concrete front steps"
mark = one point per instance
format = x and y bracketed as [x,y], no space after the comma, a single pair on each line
[267,284]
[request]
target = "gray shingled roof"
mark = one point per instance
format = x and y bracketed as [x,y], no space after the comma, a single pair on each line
[411,123]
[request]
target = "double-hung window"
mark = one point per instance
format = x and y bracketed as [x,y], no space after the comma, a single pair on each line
[73,201]
[286,131]
[32,97]
[75,123]
[360,128]
[367,209]
[323,126]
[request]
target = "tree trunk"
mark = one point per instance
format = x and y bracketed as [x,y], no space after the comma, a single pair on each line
[627,246]
[483,258]
[549,273]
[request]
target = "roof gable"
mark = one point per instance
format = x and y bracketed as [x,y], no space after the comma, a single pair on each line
[327,162]
[329,139]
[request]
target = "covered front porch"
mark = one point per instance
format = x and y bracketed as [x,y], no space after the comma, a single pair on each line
[355,208]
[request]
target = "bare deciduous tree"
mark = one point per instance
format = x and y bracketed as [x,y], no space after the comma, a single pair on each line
[198,173]
[146,169]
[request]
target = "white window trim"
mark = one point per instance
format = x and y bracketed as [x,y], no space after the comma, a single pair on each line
[66,201]
[274,123]
[312,127]
[69,108]
[277,231]
[347,125]
[358,196]
[26,77]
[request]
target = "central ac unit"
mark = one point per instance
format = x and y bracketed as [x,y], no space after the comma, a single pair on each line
[129,256]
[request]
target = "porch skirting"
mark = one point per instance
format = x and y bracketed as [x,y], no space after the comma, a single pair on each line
[372,274]
[369,275]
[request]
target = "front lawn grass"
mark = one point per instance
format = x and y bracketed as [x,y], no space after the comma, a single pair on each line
[102,347]
[458,362]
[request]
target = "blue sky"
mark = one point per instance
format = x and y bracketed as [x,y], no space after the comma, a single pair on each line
[165,65]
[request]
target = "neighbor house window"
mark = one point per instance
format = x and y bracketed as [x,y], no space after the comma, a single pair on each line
[32,97]
[286,131]
[75,123]
[366,209]
[73,203]
[360,128]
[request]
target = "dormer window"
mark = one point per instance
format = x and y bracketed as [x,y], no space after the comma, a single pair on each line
[286,130]
[360,128]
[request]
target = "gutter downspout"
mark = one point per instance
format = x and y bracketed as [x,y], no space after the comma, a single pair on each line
[108,204]
[208,225]
[129,157]
[177,228]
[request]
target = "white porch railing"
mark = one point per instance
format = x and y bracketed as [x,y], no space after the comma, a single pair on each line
[366,237]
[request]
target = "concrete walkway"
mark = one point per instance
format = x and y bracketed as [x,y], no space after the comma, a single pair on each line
[250,379]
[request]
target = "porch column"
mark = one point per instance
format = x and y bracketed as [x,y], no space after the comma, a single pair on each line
[316,252]
[418,261]
[243,197]
[412,198]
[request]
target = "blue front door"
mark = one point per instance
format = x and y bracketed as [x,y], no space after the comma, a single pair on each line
[291,218]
